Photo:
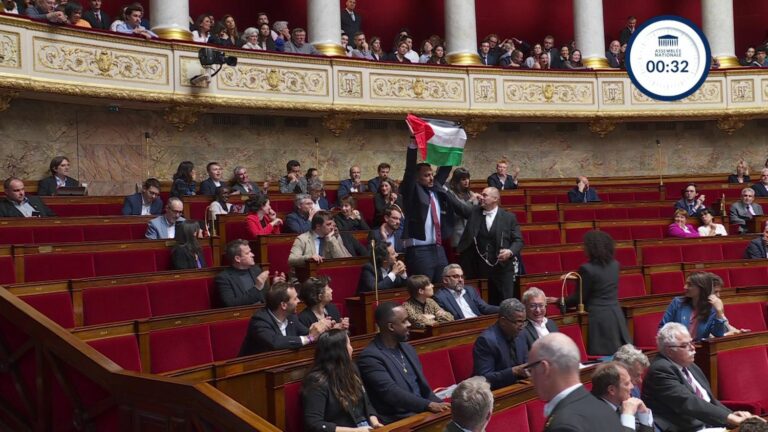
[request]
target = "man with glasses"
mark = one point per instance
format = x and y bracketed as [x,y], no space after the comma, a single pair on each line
[761,188]
[553,365]
[500,353]
[677,390]
[537,325]
[462,301]
[144,203]
[745,210]
[164,226]
[691,202]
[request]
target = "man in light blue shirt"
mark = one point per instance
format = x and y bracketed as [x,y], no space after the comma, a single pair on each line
[132,23]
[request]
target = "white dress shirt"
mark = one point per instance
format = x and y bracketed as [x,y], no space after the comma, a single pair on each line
[541,329]
[463,305]
[490,215]
[628,420]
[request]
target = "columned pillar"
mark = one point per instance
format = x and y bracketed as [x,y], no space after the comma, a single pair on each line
[170,19]
[589,32]
[717,17]
[324,26]
[461,32]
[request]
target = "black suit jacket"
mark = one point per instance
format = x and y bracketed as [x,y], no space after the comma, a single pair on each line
[351,27]
[307,317]
[7,209]
[208,187]
[132,205]
[444,297]
[47,186]
[495,181]
[531,334]
[676,408]
[91,18]
[386,383]
[367,279]
[755,249]
[354,247]
[323,411]
[416,200]
[375,234]
[760,190]
[492,360]
[232,293]
[582,412]
[264,334]
[182,260]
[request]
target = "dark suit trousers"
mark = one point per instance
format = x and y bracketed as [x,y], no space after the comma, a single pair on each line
[501,278]
[427,260]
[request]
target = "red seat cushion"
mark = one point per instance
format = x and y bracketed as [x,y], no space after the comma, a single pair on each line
[535,411]
[737,382]
[747,315]
[17,235]
[180,348]
[437,369]
[115,303]
[578,215]
[53,266]
[724,275]
[57,306]
[179,296]
[542,237]
[662,254]
[462,361]
[667,282]
[626,256]
[294,418]
[733,250]
[748,276]
[109,232]
[124,262]
[572,260]
[7,272]
[631,285]
[502,420]
[227,337]
[542,262]
[59,234]
[647,232]
[701,253]
[545,216]
[574,332]
[123,350]
[618,232]
[576,235]
[343,280]
[646,327]
[612,213]
[277,257]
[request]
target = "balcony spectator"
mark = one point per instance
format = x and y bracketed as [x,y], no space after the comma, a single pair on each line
[298,43]
[399,55]
[74,12]
[262,18]
[411,55]
[515,60]
[486,57]
[351,21]
[345,45]
[749,57]
[10,7]
[426,51]
[97,17]
[533,56]
[362,49]
[543,62]
[760,60]
[283,34]
[495,44]
[563,55]
[574,62]
[377,53]
[45,10]
[251,36]
[744,210]
[232,32]
[132,23]
[550,49]
[681,229]
[628,30]
[59,178]
[438,56]
[18,204]
[220,37]
[203,25]
[742,173]
[614,54]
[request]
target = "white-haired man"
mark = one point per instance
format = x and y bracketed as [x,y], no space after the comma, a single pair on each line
[537,324]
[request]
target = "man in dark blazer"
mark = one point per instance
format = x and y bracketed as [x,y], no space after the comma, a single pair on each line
[690,201]
[471,406]
[626,32]
[277,327]
[299,220]
[391,272]
[613,55]
[744,210]
[244,281]
[499,352]
[383,174]
[391,230]
[535,302]
[677,390]
[553,364]
[97,17]
[501,180]
[353,184]
[582,193]
[489,244]
[612,384]
[144,203]
[757,247]
[214,180]
[392,372]
[351,21]
[462,301]
[18,204]
[761,187]
[425,228]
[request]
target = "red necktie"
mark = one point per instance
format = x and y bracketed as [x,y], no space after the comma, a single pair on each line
[435,220]
[689,378]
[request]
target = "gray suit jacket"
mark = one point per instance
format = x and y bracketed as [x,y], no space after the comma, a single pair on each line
[739,215]
[157,228]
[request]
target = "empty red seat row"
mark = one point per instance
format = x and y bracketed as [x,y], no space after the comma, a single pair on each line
[95,209]
[72,234]
[661,210]
[564,261]
[736,384]
[7,272]
[693,252]
[673,281]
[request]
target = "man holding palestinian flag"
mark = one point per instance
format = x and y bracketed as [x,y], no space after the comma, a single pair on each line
[428,211]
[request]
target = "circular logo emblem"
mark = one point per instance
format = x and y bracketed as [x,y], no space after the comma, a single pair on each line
[668,58]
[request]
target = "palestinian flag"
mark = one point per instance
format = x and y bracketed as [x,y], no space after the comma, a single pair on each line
[440,142]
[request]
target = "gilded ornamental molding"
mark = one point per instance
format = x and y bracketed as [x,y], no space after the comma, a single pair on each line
[10,50]
[274,80]
[434,89]
[576,93]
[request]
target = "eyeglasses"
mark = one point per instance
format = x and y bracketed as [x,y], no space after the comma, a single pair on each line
[688,344]
[534,306]
[456,276]
[532,366]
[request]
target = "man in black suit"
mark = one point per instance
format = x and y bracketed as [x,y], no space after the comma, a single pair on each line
[490,241]
[553,364]
[243,282]
[677,390]
[487,57]
[611,383]
[757,247]
[429,216]
[761,187]
[462,301]
[391,272]
[500,351]
[501,180]
[549,47]
[144,203]
[391,230]
[392,372]
[471,406]
[214,180]
[626,32]
[351,21]
[535,302]
[383,174]
[353,184]
[18,204]
[277,327]
[97,17]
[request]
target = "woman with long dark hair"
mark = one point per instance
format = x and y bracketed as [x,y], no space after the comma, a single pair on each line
[459,186]
[385,196]
[187,254]
[600,282]
[698,308]
[184,180]
[317,295]
[332,392]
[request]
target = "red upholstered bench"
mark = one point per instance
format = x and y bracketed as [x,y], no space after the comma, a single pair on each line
[115,303]
[575,232]
[737,371]
[462,361]
[645,328]
[274,249]
[294,422]
[123,350]
[502,421]
[544,213]
[661,254]
[227,337]
[747,316]
[55,305]
[125,262]
[7,270]
[631,285]
[544,235]
[437,369]
[179,296]
[52,266]
[538,262]
[748,276]
[535,411]
[180,348]
[574,332]
[580,214]
[667,282]
[17,235]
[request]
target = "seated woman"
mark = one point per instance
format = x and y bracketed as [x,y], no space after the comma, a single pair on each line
[59,168]
[251,37]
[261,219]
[708,227]
[384,197]
[390,272]
[332,392]
[220,204]
[74,13]
[422,310]
[438,56]
[187,254]
[203,25]
[350,218]
[681,229]
[698,309]
[184,180]
[742,173]
[317,295]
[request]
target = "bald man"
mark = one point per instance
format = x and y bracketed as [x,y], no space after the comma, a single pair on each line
[490,243]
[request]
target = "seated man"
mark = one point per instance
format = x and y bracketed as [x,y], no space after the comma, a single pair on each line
[293,181]
[241,184]
[299,45]
[316,192]
[391,231]
[471,406]
[144,203]
[164,226]
[500,179]
[745,210]
[538,325]
[612,384]
[500,351]
[758,247]
[319,243]
[392,372]
[214,180]
[353,184]
[132,23]
[636,364]
[277,327]
[243,282]
[677,390]
[761,187]
[690,202]
[582,193]
[18,204]
[45,10]
[383,174]
[391,272]
[298,221]
[462,301]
